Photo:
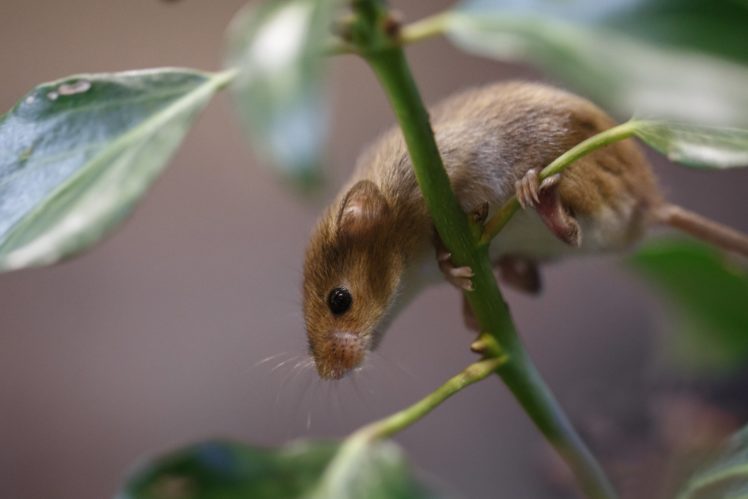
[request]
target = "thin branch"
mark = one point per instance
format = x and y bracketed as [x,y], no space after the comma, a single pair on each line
[406,417]
[425,28]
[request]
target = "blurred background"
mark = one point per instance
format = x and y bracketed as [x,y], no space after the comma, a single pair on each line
[186,324]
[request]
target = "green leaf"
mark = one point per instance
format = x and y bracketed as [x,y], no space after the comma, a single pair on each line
[369,470]
[304,470]
[726,477]
[277,48]
[79,152]
[615,54]
[709,297]
[696,145]
[715,27]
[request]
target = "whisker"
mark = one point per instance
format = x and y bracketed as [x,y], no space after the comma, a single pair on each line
[268,359]
[394,364]
[284,381]
[299,400]
[313,397]
[303,365]
[357,389]
[283,363]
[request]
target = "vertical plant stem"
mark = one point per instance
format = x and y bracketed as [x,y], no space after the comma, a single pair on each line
[462,239]
[527,385]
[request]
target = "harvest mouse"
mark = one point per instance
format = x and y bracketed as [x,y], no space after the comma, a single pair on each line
[372,249]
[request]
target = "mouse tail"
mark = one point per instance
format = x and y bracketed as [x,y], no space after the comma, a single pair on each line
[702,228]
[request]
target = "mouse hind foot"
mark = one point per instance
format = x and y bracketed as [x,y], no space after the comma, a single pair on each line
[544,197]
[519,273]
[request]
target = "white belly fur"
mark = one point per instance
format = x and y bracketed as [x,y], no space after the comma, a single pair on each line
[525,235]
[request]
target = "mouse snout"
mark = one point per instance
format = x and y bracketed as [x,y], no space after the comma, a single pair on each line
[342,352]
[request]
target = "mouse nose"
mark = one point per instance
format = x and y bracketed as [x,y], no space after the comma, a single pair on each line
[343,352]
[345,338]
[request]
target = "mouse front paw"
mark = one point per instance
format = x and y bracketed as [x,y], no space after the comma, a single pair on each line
[459,277]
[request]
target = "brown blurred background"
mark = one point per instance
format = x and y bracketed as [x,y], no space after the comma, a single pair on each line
[153,339]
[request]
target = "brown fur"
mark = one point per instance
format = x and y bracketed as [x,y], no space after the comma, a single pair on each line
[489,138]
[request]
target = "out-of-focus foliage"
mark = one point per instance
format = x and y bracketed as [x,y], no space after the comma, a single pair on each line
[321,470]
[726,477]
[651,58]
[708,295]
[696,145]
[278,49]
[78,153]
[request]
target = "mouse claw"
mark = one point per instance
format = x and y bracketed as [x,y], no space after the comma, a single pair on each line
[544,196]
[527,189]
[549,182]
[460,277]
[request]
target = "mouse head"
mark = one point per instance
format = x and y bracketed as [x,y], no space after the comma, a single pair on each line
[351,274]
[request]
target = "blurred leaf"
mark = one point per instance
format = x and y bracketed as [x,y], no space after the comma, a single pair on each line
[79,152]
[303,470]
[696,145]
[369,470]
[278,49]
[647,58]
[716,27]
[710,297]
[726,477]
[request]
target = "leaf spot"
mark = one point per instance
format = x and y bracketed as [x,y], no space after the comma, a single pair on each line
[79,87]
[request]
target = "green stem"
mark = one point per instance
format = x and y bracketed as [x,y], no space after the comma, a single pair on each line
[620,132]
[461,237]
[714,477]
[415,32]
[425,28]
[527,385]
[224,78]
[450,221]
[402,419]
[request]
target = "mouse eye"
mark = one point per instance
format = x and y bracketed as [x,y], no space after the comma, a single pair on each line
[339,301]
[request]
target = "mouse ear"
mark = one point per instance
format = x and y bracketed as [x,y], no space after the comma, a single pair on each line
[363,210]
